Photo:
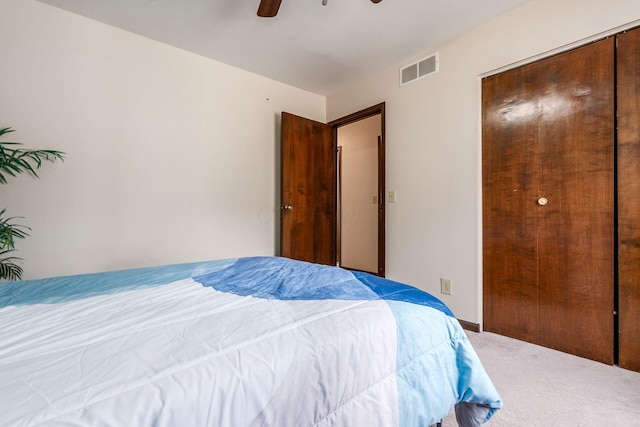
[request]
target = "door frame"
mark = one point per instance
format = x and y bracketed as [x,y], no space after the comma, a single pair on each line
[352,118]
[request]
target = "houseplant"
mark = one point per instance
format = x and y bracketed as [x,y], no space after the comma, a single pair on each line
[13,162]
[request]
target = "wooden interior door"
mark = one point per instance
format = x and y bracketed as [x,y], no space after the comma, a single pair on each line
[628,82]
[548,202]
[308,211]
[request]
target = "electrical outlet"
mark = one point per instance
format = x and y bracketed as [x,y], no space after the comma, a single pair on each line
[445,286]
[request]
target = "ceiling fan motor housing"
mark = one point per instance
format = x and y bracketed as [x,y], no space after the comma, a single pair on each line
[269,8]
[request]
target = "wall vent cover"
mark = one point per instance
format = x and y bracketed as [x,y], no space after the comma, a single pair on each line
[419,69]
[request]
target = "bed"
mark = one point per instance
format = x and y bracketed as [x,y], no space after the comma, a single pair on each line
[260,341]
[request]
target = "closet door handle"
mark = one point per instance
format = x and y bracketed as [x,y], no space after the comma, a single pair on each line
[542,201]
[287,208]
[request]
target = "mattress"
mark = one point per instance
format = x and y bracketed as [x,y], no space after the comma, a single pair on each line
[260,341]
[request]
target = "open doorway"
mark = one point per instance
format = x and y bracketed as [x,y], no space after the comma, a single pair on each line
[360,227]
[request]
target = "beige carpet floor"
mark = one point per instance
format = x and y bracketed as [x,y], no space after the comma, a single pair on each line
[544,387]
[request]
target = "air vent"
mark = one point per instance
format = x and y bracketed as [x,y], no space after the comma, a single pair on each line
[408,74]
[419,69]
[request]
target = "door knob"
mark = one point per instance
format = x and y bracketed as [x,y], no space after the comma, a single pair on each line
[287,207]
[542,201]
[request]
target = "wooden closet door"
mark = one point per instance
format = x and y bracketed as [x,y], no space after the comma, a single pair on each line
[548,221]
[628,70]
[510,183]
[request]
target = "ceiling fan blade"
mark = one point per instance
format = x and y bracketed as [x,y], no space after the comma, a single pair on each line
[268,8]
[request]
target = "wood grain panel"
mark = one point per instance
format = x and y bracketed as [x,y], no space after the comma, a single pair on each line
[308,230]
[510,291]
[628,71]
[548,269]
[576,228]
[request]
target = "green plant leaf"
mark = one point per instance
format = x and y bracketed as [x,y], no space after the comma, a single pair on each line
[8,268]
[15,160]
[10,231]
[6,130]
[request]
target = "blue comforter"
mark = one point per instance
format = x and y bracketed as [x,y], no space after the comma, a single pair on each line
[244,342]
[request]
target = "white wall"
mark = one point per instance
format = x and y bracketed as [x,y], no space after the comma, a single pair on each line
[433,139]
[171,157]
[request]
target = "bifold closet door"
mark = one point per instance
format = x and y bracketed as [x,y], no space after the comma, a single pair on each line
[628,70]
[548,201]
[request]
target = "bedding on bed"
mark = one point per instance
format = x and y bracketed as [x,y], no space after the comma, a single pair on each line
[262,341]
